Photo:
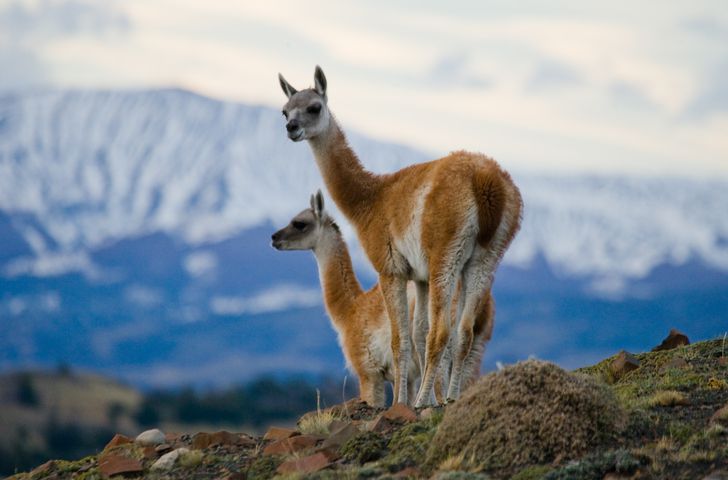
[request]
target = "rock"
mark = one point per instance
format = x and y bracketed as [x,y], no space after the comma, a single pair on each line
[677,362]
[171,437]
[291,445]
[341,436]
[168,460]
[623,364]
[112,464]
[163,448]
[381,424]
[427,413]
[46,467]
[149,452]
[673,340]
[336,425]
[203,440]
[409,472]
[118,439]
[310,464]
[152,437]
[723,361]
[400,413]
[616,476]
[278,433]
[720,416]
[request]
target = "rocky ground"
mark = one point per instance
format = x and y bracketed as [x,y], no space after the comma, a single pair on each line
[673,423]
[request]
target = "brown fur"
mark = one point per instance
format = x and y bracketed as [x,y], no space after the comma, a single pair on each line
[460,188]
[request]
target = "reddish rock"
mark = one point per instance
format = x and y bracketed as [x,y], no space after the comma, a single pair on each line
[677,362]
[47,466]
[409,472]
[337,425]
[720,416]
[310,464]
[723,361]
[291,445]
[278,433]
[341,436]
[111,464]
[623,364]
[400,412]
[236,476]
[224,438]
[118,439]
[163,448]
[201,440]
[673,340]
[171,437]
[150,452]
[381,424]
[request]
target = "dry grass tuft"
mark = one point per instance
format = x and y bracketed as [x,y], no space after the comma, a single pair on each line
[318,423]
[667,398]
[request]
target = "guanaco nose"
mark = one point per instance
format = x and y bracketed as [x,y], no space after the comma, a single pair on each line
[276,236]
[292,125]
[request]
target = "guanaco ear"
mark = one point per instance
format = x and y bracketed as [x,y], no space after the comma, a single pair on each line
[319,80]
[287,87]
[317,204]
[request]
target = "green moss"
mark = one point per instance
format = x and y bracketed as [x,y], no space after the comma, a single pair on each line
[532,473]
[364,447]
[597,465]
[408,446]
[264,467]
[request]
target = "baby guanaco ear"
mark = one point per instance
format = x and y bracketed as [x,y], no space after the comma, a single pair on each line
[317,204]
[319,80]
[287,87]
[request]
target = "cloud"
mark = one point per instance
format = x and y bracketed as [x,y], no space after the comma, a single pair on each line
[275,299]
[20,20]
[627,94]
[453,70]
[712,97]
[553,74]
[27,27]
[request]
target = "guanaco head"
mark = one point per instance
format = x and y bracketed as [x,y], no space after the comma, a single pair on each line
[307,228]
[306,112]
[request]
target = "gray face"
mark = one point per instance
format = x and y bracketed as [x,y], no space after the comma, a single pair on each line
[306,112]
[301,234]
[306,115]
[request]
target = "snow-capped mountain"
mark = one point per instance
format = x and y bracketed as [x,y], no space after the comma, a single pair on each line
[127,212]
[82,169]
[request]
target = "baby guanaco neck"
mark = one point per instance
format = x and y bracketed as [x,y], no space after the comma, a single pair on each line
[338,281]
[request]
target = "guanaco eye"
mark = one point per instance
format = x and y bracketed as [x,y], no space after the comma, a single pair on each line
[314,109]
[285,114]
[298,225]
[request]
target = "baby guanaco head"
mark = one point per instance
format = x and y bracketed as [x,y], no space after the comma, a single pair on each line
[306,229]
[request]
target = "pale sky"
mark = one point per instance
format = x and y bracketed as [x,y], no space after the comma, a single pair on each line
[557,86]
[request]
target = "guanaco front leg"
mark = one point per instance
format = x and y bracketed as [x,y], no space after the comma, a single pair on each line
[394,291]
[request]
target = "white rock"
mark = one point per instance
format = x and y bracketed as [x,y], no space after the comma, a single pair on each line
[150,437]
[167,461]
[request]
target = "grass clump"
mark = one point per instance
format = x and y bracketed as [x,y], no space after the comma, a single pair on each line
[408,446]
[264,467]
[364,447]
[597,465]
[528,414]
[318,422]
[667,398]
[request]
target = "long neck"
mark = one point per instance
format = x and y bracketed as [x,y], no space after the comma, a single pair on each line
[339,284]
[352,187]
